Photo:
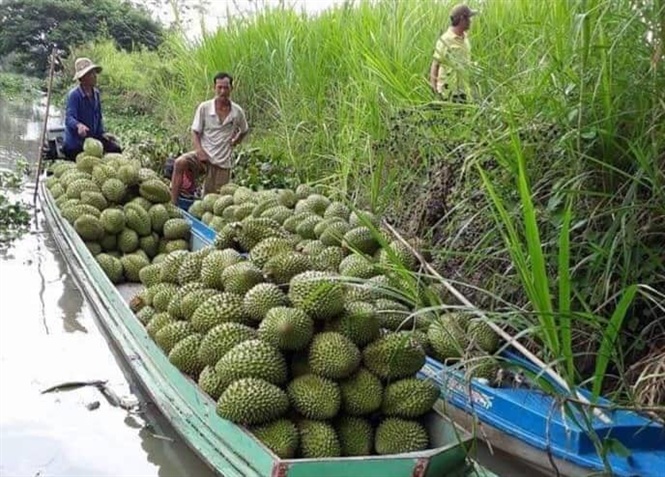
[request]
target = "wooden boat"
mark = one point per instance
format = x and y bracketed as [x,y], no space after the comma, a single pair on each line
[228,449]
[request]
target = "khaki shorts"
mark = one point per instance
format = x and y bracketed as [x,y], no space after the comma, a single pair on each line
[216,176]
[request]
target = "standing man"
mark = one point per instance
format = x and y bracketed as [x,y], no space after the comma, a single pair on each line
[219,125]
[84,112]
[452,57]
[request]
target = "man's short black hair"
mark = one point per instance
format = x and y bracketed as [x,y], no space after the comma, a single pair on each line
[223,75]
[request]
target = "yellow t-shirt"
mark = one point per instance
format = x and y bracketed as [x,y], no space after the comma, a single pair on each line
[453,53]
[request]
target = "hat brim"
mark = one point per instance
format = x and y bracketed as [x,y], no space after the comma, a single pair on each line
[85,71]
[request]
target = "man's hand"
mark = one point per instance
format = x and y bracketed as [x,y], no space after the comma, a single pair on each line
[201,155]
[237,138]
[82,129]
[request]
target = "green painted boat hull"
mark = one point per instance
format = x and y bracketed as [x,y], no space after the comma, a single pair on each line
[230,450]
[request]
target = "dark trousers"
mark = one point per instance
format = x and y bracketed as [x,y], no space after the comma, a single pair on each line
[109,146]
[456,97]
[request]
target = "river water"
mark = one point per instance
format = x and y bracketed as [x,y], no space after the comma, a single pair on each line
[48,336]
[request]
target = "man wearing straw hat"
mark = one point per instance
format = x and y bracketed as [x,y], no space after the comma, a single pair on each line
[83,117]
[452,57]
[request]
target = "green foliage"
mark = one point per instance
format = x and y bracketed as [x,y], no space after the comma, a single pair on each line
[16,87]
[14,213]
[259,170]
[145,140]
[28,28]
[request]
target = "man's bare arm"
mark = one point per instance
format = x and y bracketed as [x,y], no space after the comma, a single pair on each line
[433,74]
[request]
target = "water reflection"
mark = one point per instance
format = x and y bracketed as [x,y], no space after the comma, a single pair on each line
[48,336]
[19,131]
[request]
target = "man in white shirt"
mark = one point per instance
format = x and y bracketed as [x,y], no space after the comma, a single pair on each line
[219,125]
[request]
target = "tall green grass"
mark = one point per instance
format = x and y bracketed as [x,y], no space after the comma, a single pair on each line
[569,111]
[320,86]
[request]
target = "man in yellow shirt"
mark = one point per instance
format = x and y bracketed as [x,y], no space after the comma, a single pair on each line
[452,57]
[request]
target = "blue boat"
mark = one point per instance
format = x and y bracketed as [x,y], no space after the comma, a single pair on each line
[531,425]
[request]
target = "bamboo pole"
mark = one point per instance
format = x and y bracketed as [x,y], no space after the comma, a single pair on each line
[43,135]
[502,333]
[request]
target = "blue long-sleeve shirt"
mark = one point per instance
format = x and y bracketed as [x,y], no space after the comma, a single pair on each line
[82,109]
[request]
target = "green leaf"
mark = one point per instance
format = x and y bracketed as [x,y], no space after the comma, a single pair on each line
[614,446]
[564,290]
[609,339]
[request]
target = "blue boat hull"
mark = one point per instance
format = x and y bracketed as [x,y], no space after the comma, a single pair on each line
[537,420]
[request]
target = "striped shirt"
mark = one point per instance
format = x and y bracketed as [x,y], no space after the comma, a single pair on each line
[216,135]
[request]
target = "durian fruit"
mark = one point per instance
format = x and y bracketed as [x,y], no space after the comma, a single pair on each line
[482,366]
[394,355]
[362,393]
[333,356]
[483,336]
[281,268]
[168,336]
[358,322]
[356,436]
[280,436]
[268,402]
[409,398]
[448,337]
[241,277]
[318,440]
[261,298]
[222,308]
[314,397]
[221,339]
[210,383]
[319,294]
[288,329]
[184,355]
[252,359]
[397,436]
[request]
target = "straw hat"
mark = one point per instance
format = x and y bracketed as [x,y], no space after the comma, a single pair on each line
[83,66]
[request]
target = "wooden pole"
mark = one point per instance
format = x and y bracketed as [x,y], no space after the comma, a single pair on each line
[503,334]
[43,136]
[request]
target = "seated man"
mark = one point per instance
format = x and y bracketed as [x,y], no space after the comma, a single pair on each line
[84,112]
[219,125]
[188,186]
